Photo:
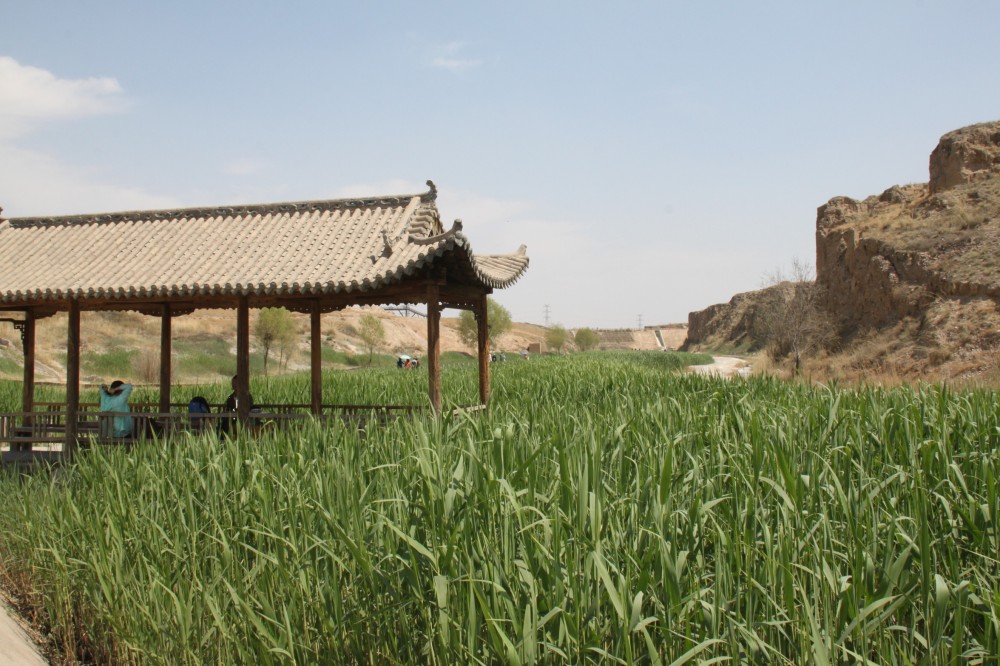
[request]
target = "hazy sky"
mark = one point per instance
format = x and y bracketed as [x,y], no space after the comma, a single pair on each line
[655,157]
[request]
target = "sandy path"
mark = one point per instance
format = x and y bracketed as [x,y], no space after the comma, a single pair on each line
[16,648]
[723,366]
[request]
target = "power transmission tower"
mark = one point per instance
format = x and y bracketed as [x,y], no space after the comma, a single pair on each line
[546,316]
[640,321]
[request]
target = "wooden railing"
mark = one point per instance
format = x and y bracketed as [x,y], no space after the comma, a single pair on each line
[30,437]
[276,408]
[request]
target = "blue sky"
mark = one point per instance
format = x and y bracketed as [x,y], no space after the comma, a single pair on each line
[655,157]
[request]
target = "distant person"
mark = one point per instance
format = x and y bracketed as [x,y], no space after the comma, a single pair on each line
[232,405]
[114,399]
[198,409]
[399,362]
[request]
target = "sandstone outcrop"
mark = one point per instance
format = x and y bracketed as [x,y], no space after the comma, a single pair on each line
[965,155]
[922,258]
[728,324]
[889,257]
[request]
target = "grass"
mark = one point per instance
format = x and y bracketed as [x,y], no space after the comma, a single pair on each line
[115,364]
[957,227]
[460,358]
[10,367]
[331,356]
[605,510]
[204,358]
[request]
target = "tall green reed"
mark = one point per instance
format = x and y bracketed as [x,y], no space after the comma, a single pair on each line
[604,510]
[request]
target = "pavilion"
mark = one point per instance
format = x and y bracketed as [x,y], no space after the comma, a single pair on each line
[312,257]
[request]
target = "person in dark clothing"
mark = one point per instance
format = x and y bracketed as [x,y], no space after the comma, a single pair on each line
[232,405]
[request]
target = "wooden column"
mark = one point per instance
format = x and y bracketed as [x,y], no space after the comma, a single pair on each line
[483,331]
[72,378]
[28,395]
[28,346]
[243,359]
[165,358]
[434,346]
[315,360]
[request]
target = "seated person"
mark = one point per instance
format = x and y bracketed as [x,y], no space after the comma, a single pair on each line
[114,399]
[197,409]
[232,405]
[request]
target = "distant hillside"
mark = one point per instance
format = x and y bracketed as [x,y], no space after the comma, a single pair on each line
[126,344]
[910,277]
[649,338]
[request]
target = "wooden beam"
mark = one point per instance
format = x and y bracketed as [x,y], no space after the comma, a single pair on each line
[72,378]
[28,393]
[165,358]
[411,290]
[315,359]
[483,333]
[434,347]
[243,359]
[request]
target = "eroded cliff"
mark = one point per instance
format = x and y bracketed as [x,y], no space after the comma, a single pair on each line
[911,277]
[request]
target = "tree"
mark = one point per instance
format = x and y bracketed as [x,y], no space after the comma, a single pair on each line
[498,319]
[287,344]
[556,337]
[586,339]
[790,318]
[273,325]
[372,334]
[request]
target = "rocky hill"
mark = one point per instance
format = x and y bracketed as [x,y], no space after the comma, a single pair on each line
[724,324]
[910,277]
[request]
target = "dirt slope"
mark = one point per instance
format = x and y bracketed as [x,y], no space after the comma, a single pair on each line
[214,332]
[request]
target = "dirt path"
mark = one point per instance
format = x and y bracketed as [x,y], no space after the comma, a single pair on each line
[16,647]
[723,366]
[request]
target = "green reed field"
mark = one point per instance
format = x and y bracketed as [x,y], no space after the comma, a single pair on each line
[606,510]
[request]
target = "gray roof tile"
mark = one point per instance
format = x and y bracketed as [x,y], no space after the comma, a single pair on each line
[283,249]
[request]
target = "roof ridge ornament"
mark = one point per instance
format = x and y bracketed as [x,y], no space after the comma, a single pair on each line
[456,229]
[431,195]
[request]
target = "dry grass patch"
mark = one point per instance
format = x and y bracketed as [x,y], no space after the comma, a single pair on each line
[959,228]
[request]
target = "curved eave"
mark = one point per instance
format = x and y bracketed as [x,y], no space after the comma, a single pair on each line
[494,271]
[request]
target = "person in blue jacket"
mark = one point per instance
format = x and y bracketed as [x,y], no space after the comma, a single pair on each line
[114,398]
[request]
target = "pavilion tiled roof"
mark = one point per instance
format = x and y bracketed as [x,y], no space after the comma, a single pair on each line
[339,246]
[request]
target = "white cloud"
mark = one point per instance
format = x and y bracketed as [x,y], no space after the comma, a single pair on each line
[489,218]
[385,187]
[29,95]
[36,184]
[448,57]
[244,167]
[576,269]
